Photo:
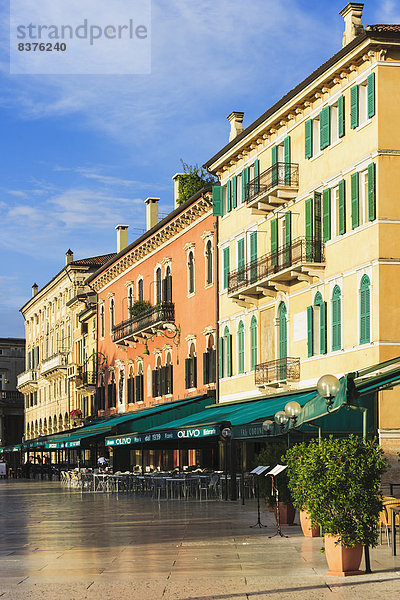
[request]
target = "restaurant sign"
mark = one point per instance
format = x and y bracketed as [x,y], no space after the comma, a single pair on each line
[61,445]
[163,436]
[249,431]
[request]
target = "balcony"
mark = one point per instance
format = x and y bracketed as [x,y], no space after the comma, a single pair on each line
[273,187]
[302,260]
[275,373]
[146,324]
[27,381]
[12,397]
[54,366]
[85,380]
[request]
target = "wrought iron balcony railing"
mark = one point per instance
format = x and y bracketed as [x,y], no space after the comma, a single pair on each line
[281,174]
[300,251]
[148,320]
[275,371]
[85,378]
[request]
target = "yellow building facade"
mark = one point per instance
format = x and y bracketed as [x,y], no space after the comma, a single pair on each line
[309,246]
[51,395]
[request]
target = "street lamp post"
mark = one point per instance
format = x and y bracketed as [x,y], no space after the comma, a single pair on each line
[226,434]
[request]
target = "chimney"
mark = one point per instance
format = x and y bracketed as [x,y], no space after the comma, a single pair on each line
[69,257]
[351,14]
[34,290]
[175,179]
[236,121]
[151,212]
[122,237]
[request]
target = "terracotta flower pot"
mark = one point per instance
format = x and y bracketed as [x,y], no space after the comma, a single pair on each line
[342,560]
[307,528]
[287,513]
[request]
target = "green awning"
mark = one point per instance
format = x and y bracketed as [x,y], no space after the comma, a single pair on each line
[16,448]
[143,419]
[206,423]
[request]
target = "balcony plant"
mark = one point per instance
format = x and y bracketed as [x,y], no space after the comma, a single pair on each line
[338,484]
[271,455]
[139,307]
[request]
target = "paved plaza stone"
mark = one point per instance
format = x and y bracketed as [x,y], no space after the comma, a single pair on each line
[58,544]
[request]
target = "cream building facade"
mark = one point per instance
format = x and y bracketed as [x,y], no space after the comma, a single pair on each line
[309,244]
[50,395]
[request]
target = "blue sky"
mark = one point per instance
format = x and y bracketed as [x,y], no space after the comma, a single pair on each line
[80,154]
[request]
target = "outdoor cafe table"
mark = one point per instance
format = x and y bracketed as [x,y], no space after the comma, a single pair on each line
[395,510]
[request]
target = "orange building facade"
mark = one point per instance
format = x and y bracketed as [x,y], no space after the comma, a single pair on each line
[157,315]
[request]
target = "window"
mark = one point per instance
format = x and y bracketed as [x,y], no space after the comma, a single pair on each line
[241,347]
[139,383]
[363,209]
[140,290]
[112,392]
[101,396]
[334,123]
[191,272]
[226,267]
[315,136]
[316,326]
[112,314]
[253,343]
[336,319]
[362,101]
[209,263]
[168,376]
[158,286]
[225,354]
[365,310]
[209,362]
[130,301]
[191,369]
[156,379]
[167,285]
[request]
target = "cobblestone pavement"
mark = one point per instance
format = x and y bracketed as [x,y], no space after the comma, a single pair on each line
[58,544]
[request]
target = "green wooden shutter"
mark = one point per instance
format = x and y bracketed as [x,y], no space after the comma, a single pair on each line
[228,196]
[342,207]
[308,139]
[365,311]
[246,179]
[253,344]
[274,150]
[354,107]
[241,347]
[310,330]
[220,357]
[371,192]
[355,217]
[286,149]
[325,127]
[322,327]
[326,214]
[226,267]
[244,185]
[288,238]
[282,327]
[253,256]
[341,116]
[275,166]
[274,241]
[240,254]
[228,339]
[218,209]
[336,319]
[309,229]
[234,191]
[371,95]
[256,176]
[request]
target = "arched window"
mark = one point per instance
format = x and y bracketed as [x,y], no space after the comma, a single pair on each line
[131,387]
[167,283]
[316,325]
[158,286]
[191,272]
[209,263]
[140,290]
[365,310]
[225,354]
[139,390]
[112,314]
[282,325]
[112,391]
[241,347]
[191,368]
[336,319]
[253,343]
[130,301]
[102,321]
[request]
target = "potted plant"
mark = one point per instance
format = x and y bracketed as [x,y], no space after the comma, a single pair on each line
[271,455]
[339,487]
[139,307]
[298,486]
